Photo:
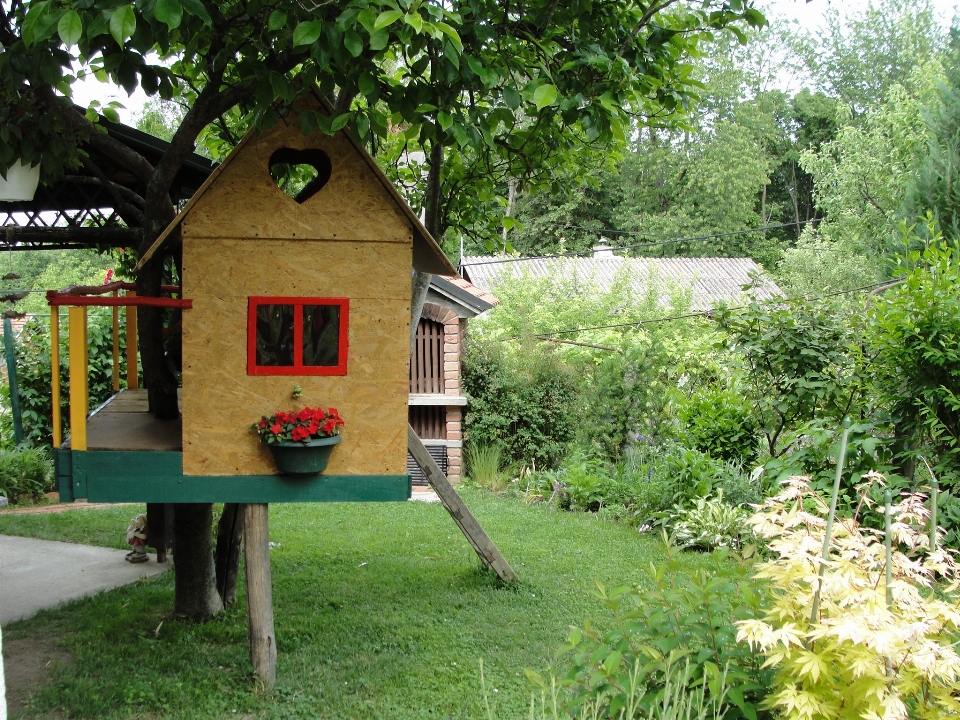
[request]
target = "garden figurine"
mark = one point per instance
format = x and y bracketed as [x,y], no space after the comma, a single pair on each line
[137,539]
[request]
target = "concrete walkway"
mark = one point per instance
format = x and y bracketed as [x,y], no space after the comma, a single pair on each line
[40,574]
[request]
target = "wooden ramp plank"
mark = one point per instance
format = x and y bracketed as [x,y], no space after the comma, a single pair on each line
[458,510]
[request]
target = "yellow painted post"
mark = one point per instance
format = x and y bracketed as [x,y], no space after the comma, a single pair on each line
[79,401]
[55,374]
[116,346]
[132,377]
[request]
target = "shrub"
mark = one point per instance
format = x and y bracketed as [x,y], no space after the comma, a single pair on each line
[815,456]
[648,483]
[523,402]
[25,473]
[800,361]
[688,614]
[710,524]
[913,331]
[870,651]
[720,423]
[483,466]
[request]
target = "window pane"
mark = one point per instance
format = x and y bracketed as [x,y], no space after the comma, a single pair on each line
[275,335]
[321,335]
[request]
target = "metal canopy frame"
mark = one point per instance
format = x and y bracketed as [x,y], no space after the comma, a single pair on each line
[78,210]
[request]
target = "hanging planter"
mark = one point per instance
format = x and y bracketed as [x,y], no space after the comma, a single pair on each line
[21,183]
[303,459]
[301,441]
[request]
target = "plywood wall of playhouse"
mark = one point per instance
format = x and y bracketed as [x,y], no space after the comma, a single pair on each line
[245,202]
[220,401]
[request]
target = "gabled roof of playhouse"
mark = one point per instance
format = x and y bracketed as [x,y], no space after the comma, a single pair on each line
[427,255]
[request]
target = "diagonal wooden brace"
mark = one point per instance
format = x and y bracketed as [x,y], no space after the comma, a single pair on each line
[461,515]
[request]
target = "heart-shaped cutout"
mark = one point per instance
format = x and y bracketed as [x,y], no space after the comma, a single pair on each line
[300,173]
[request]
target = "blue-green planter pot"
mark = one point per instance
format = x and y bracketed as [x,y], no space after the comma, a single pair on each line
[303,460]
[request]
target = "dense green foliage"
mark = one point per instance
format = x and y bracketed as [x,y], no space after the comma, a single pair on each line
[915,331]
[521,403]
[680,613]
[797,361]
[25,473]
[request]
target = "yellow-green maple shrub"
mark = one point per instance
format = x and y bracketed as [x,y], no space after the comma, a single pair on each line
[858,658]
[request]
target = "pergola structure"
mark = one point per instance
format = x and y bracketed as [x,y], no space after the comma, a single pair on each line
[100,204]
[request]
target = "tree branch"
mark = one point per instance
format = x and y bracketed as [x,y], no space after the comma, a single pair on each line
[126,210]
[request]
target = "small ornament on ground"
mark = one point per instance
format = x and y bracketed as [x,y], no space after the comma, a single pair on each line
[137,539]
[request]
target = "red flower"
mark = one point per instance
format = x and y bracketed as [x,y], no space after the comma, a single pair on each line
[300,433]
[300,424]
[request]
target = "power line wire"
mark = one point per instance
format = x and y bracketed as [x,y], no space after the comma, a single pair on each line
[674,239]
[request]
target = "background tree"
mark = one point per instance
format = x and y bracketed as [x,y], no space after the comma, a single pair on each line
[858,57]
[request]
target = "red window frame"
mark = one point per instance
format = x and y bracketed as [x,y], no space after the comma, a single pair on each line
[298,368]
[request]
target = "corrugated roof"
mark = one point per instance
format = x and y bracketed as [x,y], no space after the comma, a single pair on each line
[711,280]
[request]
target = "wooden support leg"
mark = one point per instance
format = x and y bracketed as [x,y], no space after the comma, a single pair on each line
[263,641]
[227,555]
[460,513]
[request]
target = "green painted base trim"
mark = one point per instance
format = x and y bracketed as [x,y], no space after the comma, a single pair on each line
[157,477]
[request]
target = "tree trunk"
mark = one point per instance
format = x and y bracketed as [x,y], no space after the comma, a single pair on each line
[431,201]
[227,562]
[160,383]
[195,596]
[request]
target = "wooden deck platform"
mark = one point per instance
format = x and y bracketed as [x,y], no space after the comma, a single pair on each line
[123,423]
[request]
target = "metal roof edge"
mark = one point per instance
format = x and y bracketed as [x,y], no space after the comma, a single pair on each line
[465,298]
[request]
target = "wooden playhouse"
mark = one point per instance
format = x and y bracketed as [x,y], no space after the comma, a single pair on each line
[277,291]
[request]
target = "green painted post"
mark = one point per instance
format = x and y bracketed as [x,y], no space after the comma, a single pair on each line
[12,377]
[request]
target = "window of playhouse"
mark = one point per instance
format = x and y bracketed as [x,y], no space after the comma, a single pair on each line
[297,336]
[300,173]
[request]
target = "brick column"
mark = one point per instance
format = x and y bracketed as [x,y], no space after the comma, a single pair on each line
[452,346]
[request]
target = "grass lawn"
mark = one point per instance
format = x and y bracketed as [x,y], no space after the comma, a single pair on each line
[382,611]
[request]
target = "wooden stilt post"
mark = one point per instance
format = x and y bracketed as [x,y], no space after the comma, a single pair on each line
[458,510]
[256,546]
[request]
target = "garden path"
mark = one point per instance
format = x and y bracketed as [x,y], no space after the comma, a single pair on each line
[40,574]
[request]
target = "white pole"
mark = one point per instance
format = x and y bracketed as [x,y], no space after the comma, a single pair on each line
[3,692]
